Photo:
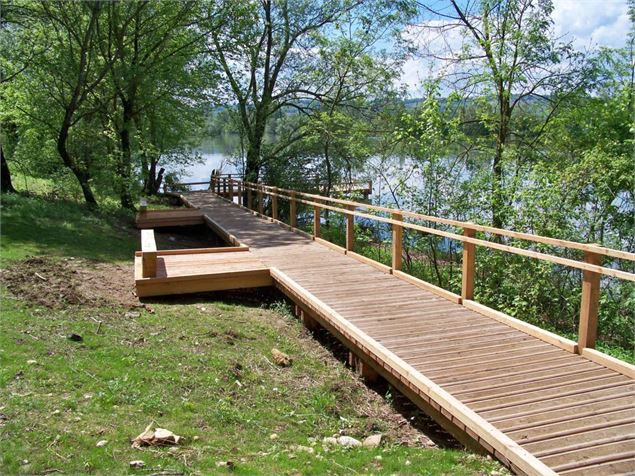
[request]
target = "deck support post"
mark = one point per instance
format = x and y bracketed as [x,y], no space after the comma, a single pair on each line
[362,369]
[293,211]
[469,264]
[250,203]
[316,220]
[588,329]
[261,203]
[397,242]
[274,204]
[350,229]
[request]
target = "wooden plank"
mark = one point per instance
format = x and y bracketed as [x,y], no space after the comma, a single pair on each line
[194,284]
[623,466]
[363,259]
[530,329]
[149,253]
[609,362]
[469,260]
[582,440]
[588,329]
[397,242]
[585,457]
[450,296]
[558,403]
[350,230]
[487,394]
[565,414]
[328,244]
[197,251]
[274,207]
[293,211]
[316,221]
[533,375]
[612,382]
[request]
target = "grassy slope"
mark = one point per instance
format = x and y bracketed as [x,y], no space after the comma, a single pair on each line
[199,367]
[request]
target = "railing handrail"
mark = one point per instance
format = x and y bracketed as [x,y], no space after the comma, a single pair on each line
[446,234]
[591,266]
[601,250]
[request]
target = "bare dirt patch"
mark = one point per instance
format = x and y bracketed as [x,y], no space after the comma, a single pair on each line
[60,282]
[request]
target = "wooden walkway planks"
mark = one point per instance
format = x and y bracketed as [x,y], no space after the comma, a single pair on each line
[539,395]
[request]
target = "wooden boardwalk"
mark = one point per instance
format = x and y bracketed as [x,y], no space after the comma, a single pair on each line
[537,407]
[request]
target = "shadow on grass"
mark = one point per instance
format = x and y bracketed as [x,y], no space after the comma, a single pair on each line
[34,225]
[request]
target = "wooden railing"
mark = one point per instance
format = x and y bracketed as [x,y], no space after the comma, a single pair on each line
[591,266]
[148,254]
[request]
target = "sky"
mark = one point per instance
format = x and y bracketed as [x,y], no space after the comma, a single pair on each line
[587,23]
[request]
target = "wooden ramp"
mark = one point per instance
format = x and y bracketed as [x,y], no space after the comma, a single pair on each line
[536,406]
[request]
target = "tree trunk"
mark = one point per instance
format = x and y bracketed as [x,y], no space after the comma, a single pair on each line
[6,186]
[125,167]
[81,174]
[252,167]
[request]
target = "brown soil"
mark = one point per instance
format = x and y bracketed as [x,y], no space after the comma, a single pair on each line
[59,282]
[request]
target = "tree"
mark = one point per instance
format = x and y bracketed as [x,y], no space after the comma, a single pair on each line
[154,46]
[266,50]
[511,61]
[62,78]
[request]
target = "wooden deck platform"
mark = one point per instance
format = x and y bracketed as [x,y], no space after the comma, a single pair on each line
[527,399]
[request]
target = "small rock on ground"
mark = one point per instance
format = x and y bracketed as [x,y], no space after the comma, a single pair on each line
[348,441]
[373,441]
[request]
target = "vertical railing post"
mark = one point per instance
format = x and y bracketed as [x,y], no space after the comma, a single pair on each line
[225,186]
[231,189]
[293,211]
[316,219]
[588,329]
[218,185]
[250,202]
[350,229]
[239,193]
[261,203]
[397,242]
[274,204]
[469,262]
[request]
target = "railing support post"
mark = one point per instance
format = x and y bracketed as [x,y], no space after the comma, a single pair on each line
[218,185]
[231,189]
[274,204]
[224,185]
[293,211]
[316,220]
[239,193]
[261,203]
[250,202]
[148,254]
[469,263]
[397,242]
[350,229]
[588,330]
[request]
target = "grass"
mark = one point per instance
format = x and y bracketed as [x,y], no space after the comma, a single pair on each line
[199,366]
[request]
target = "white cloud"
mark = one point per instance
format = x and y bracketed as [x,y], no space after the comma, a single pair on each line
[589,24]
[592,23]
